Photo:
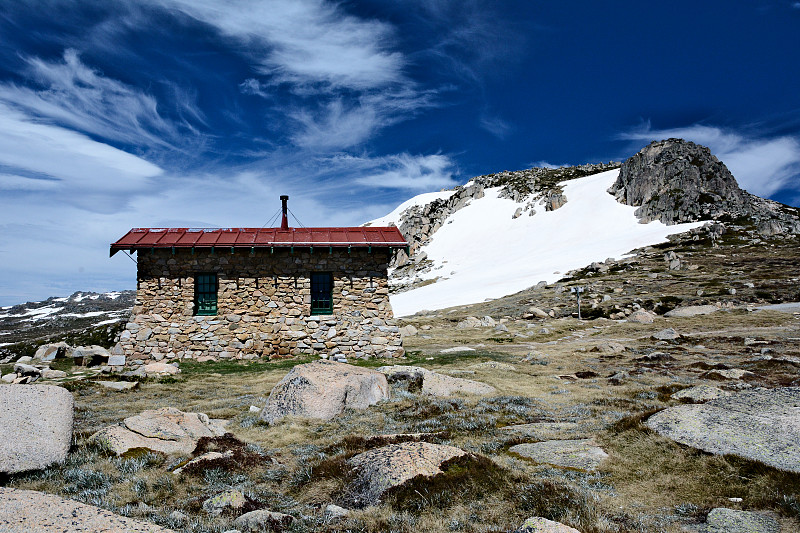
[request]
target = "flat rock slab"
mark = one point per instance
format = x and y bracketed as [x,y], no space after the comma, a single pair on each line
[389,466]
[547,430]
[581,454]
[324,389]
[692,310]
[118,385]
[537,524]
[493,365]
[35,426]
[27,511]
[700,394]
[165,430]
[437,384]
[722,520]
[762,425]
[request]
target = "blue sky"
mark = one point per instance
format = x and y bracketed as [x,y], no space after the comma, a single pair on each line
[201,113]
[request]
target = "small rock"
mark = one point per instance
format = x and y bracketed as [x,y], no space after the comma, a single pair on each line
[582,454]
[160,369]
[700,394]
[692,310]
[232,499]
[538,524]
[178,516]
[118,385]
[382,468]
[730,373]
[722,520]
[618,378]
[641,317]
[609,347]
[261,519]
[654,356]
[53,374]
[254,409]
[538,313]
[668,334]
[408,331]
[22,369]
[334,512]
[25,360]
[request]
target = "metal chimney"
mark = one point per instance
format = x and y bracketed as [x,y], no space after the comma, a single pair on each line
[284,209]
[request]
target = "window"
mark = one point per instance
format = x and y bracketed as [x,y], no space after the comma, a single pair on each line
[205,294]
[321,293]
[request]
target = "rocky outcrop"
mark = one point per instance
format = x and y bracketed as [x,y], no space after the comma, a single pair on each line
[581,454]
[677,181]
[722,520]
[428,382]
[165,430]
[27,511]
[35,426]
[382,468]
[758,425]
[323,389]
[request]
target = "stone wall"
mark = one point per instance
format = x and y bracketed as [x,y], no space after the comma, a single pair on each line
[263,306]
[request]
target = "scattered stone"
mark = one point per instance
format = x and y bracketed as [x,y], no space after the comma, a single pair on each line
[581,454]
[729,373]
[53,374]
[160,369]
[22,369]
[641,317]
[502,328]
[408,331]
[178,516]
[668,334]
[722,520]
[9,378]
[382,468]
[700,394]
[165,430]
[434,383]
[456,349]
[469,322]
[118,385]
[36,424]
[488,322]
[493,365]
[49,352]
[116,360]
[25,360]
[262,519]
[90,355]
[27,511]
[761,425]
[618,378]
[334,512]
[538,313]
[254,409]
[228,500]
[208,456]
[538,524]
[323,389]
[609,347]
[654,357]
[692,310]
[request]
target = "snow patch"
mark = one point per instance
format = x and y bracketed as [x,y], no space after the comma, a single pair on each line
[489,254]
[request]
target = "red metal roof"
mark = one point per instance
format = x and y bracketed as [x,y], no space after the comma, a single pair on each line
[138,238]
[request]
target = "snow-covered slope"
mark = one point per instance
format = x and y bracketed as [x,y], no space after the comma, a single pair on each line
[483,252]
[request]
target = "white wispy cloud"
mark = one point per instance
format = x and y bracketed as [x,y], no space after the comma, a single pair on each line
[71,94]
[304,41]
[406,171]
[495,125]
[762,165]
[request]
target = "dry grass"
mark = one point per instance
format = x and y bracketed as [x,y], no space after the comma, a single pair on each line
[298,466]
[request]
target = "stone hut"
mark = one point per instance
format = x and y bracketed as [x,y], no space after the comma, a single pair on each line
[243,293]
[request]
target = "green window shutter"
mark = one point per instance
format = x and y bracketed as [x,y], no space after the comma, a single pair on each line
[205,294]
[321,293]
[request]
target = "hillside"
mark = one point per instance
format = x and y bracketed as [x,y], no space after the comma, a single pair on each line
[502,233]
